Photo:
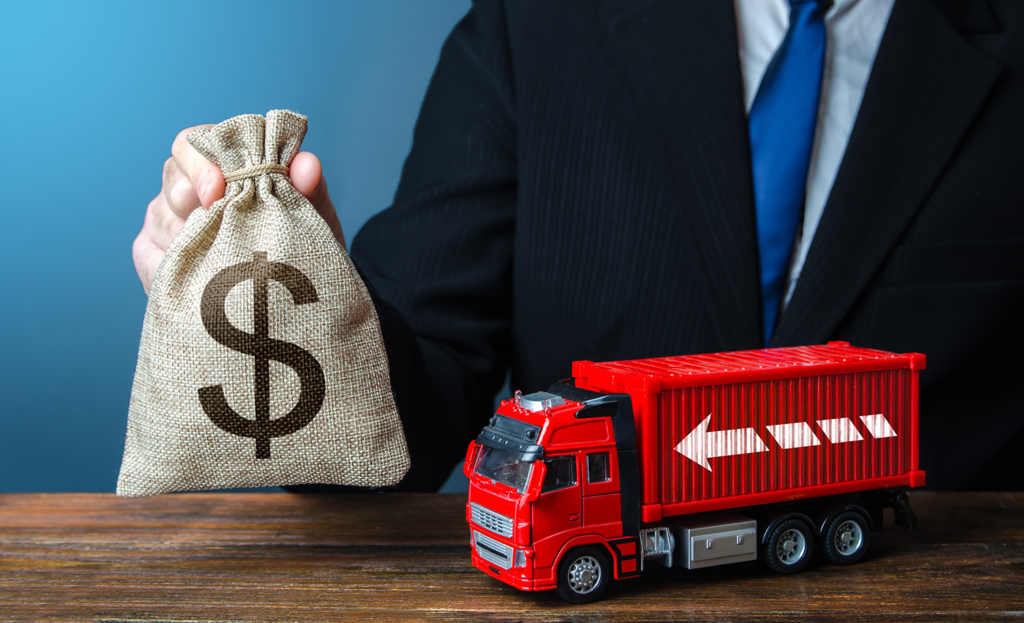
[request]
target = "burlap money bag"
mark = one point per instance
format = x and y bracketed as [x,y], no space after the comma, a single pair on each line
[261,361]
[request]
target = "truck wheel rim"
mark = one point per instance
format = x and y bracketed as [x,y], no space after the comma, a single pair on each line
[584,575]
[848,538]
[791,547]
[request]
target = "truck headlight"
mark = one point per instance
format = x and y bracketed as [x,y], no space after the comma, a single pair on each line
[520,558]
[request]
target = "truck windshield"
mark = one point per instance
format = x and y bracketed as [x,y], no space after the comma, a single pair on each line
[502,467]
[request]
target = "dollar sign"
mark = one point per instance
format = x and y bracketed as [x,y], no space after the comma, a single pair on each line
[260,345]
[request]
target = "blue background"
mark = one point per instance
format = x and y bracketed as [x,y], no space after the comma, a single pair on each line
[92,96]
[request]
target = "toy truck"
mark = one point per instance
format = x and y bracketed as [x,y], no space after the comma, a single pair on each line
[694,461]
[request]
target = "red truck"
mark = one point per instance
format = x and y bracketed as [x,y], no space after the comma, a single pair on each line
[694,461]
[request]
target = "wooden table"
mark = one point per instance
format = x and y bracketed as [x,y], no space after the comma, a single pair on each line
[288,557]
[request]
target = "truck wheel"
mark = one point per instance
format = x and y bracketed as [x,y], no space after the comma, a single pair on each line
[846,539]
[789,547]
[583,575]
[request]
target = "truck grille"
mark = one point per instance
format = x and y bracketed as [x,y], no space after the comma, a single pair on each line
[493,551]
[486,518]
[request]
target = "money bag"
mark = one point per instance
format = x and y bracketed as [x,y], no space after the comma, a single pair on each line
[261,361]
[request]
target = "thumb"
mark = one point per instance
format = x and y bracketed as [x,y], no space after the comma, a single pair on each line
[306,175]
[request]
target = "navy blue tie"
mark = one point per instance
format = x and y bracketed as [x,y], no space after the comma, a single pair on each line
[782,122]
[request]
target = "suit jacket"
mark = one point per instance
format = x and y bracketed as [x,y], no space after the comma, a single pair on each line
[579,187]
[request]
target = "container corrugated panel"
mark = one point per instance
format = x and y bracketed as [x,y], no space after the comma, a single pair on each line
[732,429]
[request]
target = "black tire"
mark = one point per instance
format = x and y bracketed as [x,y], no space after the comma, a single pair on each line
[789,547]
[576,575]
[846,538]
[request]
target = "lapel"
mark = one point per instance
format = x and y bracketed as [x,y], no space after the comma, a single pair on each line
[683,63]
[925,88]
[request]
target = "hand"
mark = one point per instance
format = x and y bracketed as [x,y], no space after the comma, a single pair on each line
[191,181]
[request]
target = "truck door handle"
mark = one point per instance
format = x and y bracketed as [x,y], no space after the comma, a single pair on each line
[574,517]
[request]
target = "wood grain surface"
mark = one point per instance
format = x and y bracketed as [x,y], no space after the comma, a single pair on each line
[290,557]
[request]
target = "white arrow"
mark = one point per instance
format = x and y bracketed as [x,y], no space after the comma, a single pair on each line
[701,445]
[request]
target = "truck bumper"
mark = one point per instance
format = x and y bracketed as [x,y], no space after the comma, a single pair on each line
[517,577]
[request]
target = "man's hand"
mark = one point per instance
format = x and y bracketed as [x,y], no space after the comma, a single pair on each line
[191,181]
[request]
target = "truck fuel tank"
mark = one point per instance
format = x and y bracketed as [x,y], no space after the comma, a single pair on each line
[709,541]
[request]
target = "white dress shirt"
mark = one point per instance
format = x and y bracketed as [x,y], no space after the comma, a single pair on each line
[854,29]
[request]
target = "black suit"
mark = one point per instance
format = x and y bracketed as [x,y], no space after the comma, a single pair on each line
[579,188]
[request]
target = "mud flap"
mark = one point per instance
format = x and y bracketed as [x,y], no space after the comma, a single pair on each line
[899,502]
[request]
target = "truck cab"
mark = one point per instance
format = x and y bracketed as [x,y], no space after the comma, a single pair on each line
[545,478]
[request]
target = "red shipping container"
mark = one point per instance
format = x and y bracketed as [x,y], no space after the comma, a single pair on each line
[729,430]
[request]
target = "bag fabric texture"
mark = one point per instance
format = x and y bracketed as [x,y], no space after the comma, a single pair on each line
[261,361]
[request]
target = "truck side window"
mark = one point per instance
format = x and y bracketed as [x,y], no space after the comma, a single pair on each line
[561,473]
[597,467]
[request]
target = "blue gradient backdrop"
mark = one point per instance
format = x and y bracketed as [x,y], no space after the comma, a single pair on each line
[92,95]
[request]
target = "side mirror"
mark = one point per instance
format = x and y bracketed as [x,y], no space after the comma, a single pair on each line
[467,465]
[540,470]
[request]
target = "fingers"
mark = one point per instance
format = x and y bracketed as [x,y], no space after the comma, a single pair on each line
[162,223]
[190,181]
[147,255]
[177,192]
[205,181]
[158,229]
[306,174]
